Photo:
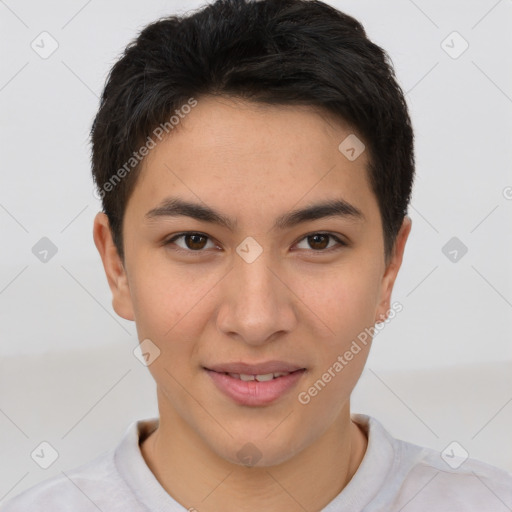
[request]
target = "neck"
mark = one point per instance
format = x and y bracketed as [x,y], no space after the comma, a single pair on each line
[198,478]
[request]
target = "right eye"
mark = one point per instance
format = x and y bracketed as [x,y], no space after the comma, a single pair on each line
[192,241]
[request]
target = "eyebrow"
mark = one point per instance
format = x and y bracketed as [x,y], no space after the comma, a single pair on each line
[175,207]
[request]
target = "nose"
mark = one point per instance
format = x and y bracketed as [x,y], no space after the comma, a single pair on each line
[257,302]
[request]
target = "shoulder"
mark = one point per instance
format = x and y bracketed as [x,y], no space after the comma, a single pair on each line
[452,483]
[80,489]
[421,478]
[100,484]
[113,481]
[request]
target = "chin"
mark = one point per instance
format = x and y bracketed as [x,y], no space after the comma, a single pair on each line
[260,451]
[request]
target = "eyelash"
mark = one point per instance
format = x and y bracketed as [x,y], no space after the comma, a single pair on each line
[171,240]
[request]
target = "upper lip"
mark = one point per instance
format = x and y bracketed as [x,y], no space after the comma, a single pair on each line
[255,368]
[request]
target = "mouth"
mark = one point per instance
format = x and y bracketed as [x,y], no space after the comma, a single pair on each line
[260,378]
[257,384]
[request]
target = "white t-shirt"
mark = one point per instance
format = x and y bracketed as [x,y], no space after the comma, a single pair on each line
[393,476]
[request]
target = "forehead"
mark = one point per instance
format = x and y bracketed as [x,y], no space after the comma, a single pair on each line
[242,156]
[243,129]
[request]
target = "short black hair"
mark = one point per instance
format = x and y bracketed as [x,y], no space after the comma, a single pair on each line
[281,52]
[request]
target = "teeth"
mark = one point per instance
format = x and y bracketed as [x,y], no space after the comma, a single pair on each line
[263,378]
[259,378]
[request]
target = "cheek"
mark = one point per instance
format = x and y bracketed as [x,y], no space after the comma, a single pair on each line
[329,390]
[331,381]
[341,303]
[348,307]
[169,300]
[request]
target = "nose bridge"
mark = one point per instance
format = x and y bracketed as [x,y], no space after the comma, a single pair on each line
[256,282]
[257,304]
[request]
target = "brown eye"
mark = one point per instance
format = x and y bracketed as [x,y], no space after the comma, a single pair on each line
[190,242]
[195,241]
[320,242]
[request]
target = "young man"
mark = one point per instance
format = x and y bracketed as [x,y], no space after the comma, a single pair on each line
[255,163]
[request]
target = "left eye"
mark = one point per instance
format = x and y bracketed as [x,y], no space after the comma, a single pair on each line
[196,242]
[320,241]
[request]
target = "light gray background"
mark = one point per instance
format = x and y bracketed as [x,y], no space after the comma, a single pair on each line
[441,370]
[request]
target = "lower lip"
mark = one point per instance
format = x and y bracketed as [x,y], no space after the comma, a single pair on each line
[252,392]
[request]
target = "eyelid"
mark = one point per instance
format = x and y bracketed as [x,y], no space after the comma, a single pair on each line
[340,242]
[338,238]
[176,236]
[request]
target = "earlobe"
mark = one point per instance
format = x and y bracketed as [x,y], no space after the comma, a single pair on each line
[391,272]
[113,266]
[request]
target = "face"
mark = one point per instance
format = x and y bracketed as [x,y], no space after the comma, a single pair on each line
[233,277]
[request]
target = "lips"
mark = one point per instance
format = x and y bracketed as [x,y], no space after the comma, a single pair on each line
[255,384]
[260,378]
[255,369]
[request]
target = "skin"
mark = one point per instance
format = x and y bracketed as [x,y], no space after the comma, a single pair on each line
[299,301]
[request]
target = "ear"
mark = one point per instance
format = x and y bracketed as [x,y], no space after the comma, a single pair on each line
[114,268]
[389,277]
